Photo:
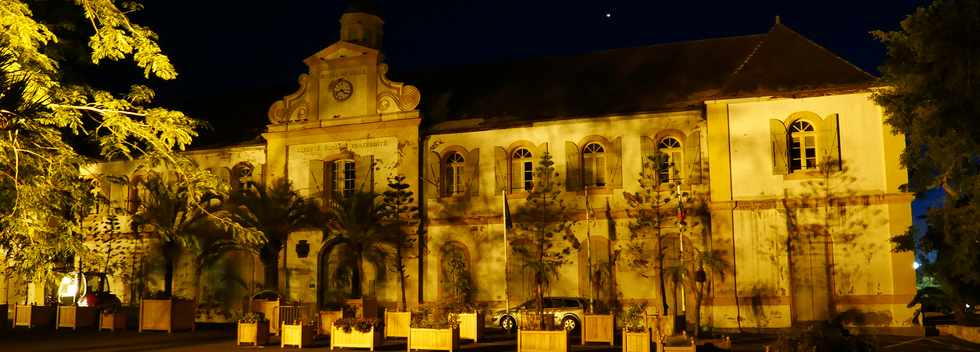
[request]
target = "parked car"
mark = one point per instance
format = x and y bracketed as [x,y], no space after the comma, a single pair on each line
[568,312]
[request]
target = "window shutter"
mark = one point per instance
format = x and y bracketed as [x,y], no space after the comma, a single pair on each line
[471,172]
[614,163]
[258,175]
[573,167]
[364,173]
[692,155]
[830,140]
[648,149]
[500,159]
[316,184]
[777,136]
[433,171]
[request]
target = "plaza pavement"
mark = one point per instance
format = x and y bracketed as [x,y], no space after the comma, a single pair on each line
[223,339]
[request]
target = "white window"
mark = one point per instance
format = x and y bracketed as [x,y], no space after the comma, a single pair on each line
[343,173]
[454,174]
[594,165]
[803,146]
[671,160]
[522,171]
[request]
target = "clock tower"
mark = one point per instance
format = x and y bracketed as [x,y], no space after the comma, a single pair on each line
[348,128]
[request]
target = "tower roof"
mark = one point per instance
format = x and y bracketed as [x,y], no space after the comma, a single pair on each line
[363,6]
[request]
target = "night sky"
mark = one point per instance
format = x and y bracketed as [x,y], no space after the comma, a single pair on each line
[236,58]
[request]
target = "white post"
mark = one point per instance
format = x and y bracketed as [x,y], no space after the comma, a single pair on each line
[503,211]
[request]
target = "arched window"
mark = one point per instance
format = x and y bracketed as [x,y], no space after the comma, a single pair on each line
[671,160]
[453,181]
[241,175]
[343,173]
[594,165]
[803,146]
[521,171]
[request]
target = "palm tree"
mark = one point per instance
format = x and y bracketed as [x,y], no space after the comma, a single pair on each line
[275,212]
[356,221]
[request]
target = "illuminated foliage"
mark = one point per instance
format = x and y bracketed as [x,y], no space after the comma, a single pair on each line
[932,97]
[51,114]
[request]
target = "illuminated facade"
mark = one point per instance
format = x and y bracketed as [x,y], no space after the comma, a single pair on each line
[750,124]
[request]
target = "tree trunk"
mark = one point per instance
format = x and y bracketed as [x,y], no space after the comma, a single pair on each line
[401,276]
[270,263]
[168,276]
[539,295]
[663,281]
[699,296]
[355,277]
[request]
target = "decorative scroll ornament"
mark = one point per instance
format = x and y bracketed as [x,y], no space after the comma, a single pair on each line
[395,96]
[294,107]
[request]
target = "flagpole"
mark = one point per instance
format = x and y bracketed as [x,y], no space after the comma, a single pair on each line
[588,237]
[503,211]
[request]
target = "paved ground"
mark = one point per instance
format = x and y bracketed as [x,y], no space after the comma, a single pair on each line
[222,339]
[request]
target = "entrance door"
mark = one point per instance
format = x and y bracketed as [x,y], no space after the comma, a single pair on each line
[809,276]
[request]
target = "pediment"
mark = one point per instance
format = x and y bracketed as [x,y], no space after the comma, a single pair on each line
[340,50]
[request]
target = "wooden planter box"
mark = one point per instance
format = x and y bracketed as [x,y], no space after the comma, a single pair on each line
[598,328]
[75,317]
[397,323]
[366,307]
[112,321]
[296,335]
[637,341]
[542,341]
[471,325]
[256,333]
[166,315]
[691,347]
[269,310]
[433,339]
[327,317]
[660,325]
[31,316]
[355,339]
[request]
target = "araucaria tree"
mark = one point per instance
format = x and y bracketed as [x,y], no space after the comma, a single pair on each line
[932,75]
[543,239]
[400,215]
[650,210]
[51,101]
[276,211]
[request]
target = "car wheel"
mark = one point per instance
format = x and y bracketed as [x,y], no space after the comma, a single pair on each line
[570,324]
[508,324]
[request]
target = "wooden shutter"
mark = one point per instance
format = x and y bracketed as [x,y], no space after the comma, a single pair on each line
[316,184]
[258,175]
[471,172]
[614,163]
[433,171]
[364,173]
[777,137]
[648,149]
[517,174]
[573,167]
[692,155]
[500,159]
[830,143]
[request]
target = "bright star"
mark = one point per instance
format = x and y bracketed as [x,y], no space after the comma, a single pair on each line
[608,15]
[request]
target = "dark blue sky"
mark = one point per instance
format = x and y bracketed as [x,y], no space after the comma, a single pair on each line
[236,58]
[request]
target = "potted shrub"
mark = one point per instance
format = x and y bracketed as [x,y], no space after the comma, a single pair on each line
[679,343]
[32,315]
[296,333]
[397,324]
[636,335]
[163,313]
[112,319]
[433,328]
[253,329]
[357,333]
[532,338]
[74,317]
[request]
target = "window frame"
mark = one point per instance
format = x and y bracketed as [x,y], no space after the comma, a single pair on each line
[454,165]
[797,139]
[594,163]
[526,160]
[340,182]
[672,165]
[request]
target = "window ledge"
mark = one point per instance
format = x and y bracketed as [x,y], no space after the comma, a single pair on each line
[808,174]
[596,190]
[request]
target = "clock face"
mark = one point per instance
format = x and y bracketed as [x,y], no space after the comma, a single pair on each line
[342,89]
